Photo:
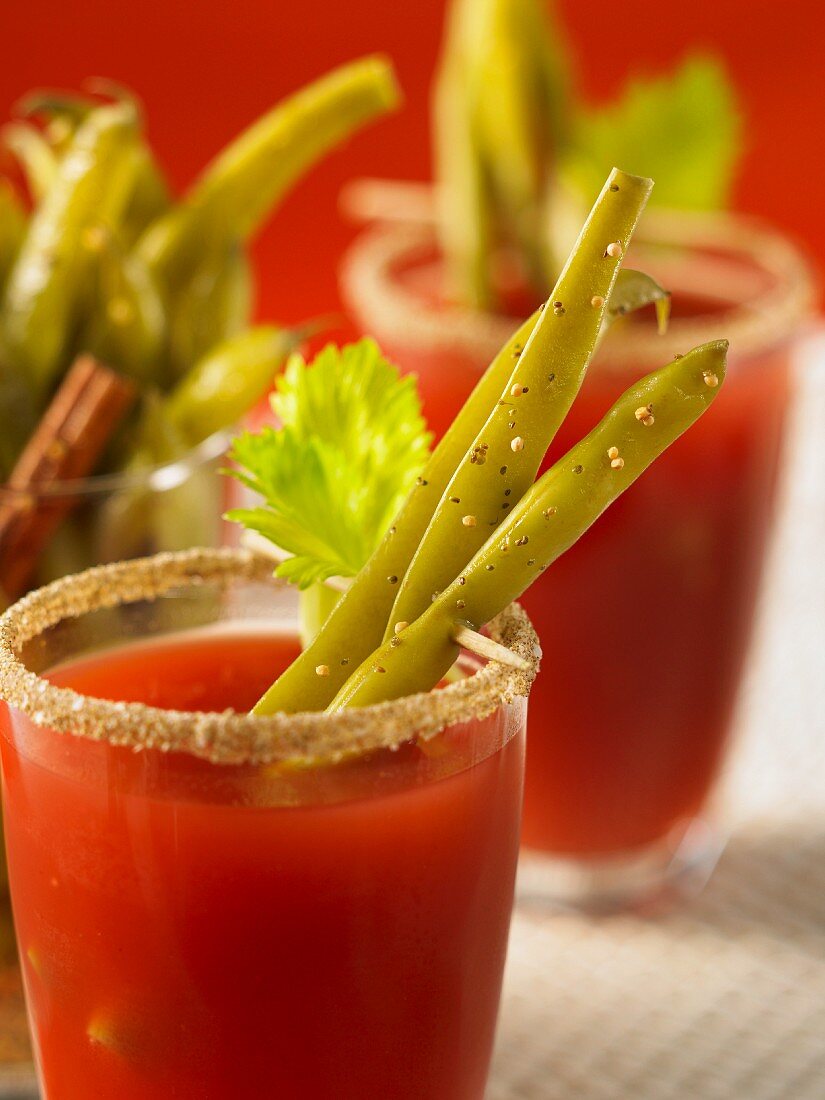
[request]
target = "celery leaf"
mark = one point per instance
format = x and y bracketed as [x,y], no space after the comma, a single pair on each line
[683,129]
[351,444]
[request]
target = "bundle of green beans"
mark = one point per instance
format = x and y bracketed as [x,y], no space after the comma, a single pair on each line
[477,529]
[100,258]
[517,155]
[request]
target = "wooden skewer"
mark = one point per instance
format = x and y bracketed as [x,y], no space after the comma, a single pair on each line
[64,447]
[483,646]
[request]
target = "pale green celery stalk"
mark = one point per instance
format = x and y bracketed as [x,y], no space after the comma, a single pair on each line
[315,605]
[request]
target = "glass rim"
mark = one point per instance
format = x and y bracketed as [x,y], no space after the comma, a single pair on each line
[155,478]
[230,737]
[392,312]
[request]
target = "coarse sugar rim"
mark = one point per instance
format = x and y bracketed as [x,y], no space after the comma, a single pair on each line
[229,737]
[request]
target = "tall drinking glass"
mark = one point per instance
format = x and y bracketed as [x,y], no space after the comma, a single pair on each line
[210,904]
[630,718]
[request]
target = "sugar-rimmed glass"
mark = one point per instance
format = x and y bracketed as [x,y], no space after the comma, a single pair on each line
[214,904]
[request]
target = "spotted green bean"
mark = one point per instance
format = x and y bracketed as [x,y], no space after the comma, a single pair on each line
[503,460]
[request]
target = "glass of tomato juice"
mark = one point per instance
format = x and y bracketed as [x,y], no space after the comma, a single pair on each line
[214,904]
[630,718]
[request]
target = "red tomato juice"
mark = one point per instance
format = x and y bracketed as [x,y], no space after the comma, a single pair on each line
[200,931]
[645,622]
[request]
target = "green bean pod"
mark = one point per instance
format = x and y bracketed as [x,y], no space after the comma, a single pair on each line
[125,522]
[226,383]
[126,325]
[356,625]
[502,463]
[34,155]
[12,230]
[214,306]
[64,112]
[466,212]
[514,127]
[53,106]
[239,188]
[499,115]
[150,197]
[18,415]
[43,291]
[559,508]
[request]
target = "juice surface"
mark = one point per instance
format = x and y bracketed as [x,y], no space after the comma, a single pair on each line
[183,936]
[629,716]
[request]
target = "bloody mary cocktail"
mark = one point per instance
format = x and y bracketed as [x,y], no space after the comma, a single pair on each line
[237,915]
[629,719]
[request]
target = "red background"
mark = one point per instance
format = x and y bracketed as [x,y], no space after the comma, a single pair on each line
[206,69]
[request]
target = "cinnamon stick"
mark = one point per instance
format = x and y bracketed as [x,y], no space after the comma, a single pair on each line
[65,446]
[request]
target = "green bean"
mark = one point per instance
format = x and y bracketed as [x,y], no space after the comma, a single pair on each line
[188,514]
[503,461]
[355,626]
[466,214]
[18,415]
[43,287]
[12,230]
[243,183]
[126,520]
[50,104]
[150,197]
[125,324]
[223,386]
[69,550]
[513,127]
[65,111]
[214,306]
[500,114]
[549,519]
[34,155]
[60,112]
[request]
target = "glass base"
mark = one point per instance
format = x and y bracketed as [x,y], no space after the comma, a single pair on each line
[652,879]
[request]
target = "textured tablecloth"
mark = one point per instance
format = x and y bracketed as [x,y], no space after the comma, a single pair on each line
[724,1000]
